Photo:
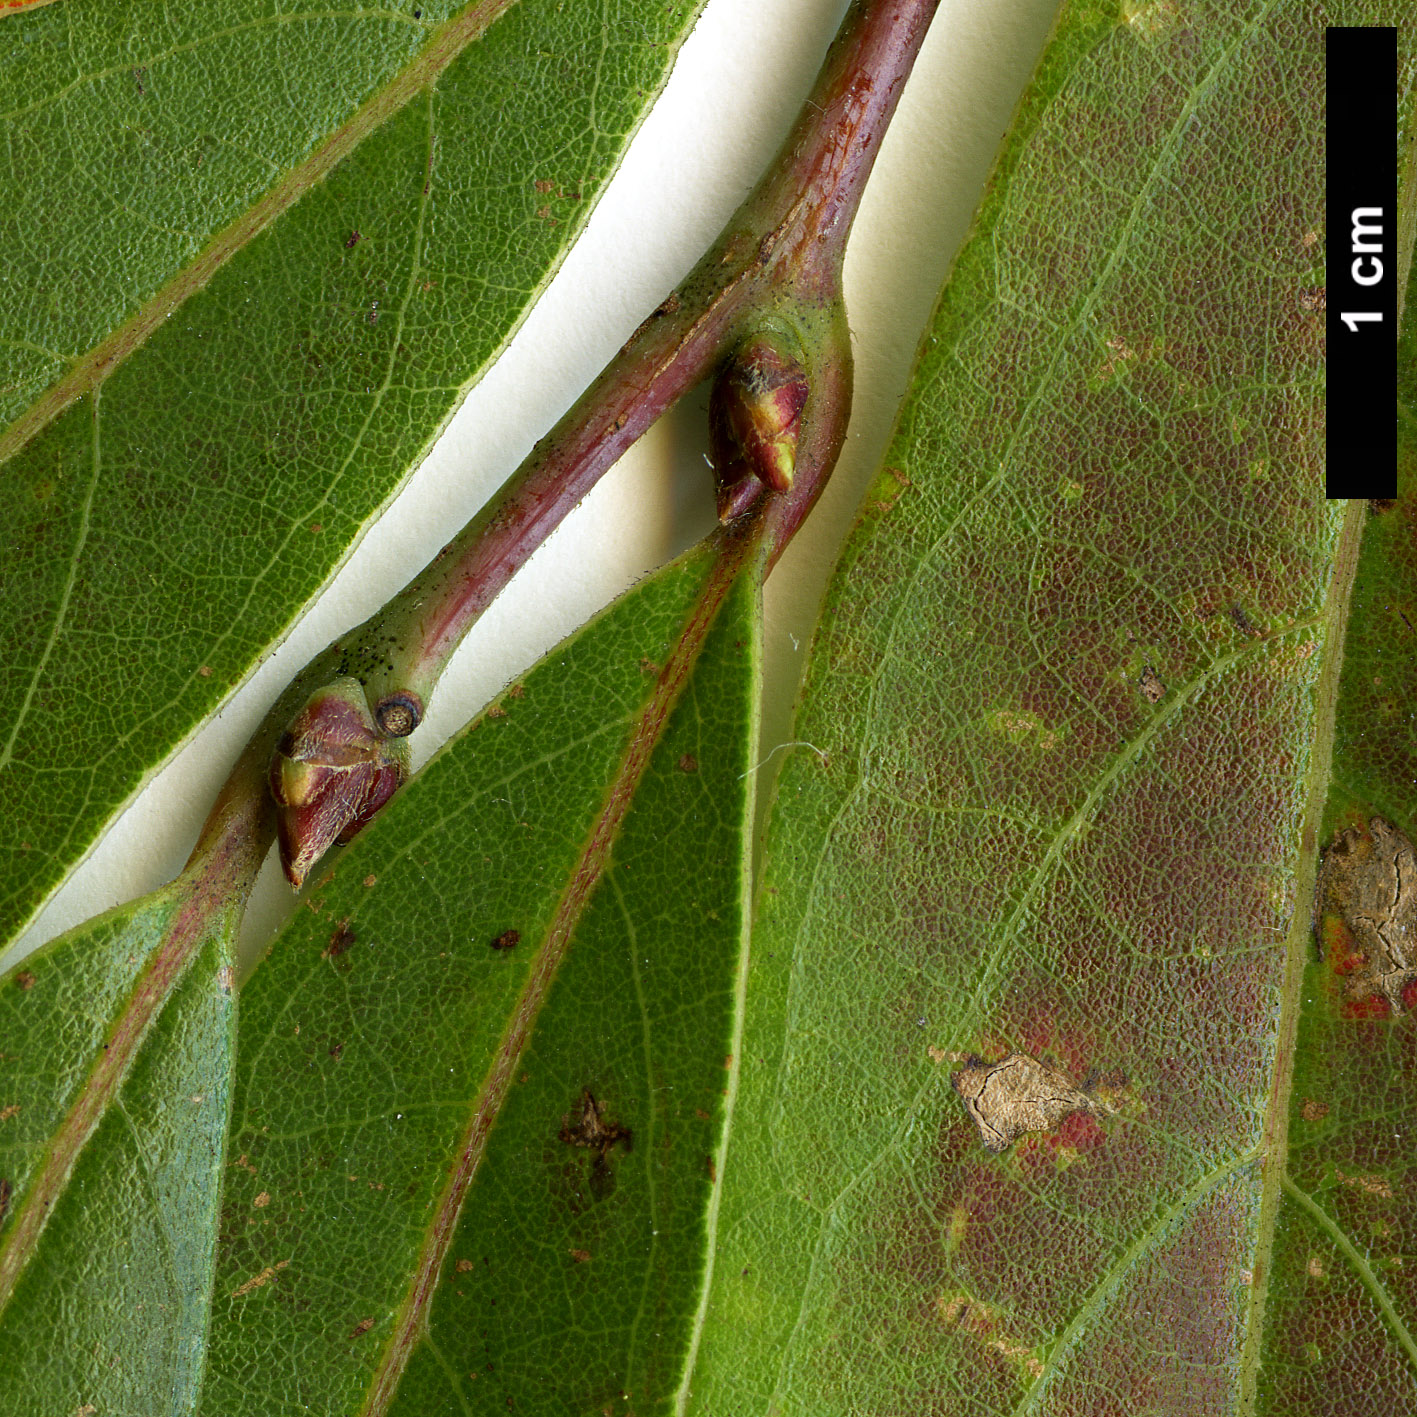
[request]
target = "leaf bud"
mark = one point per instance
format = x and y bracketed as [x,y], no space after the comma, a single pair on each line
[755,411]
[331,772]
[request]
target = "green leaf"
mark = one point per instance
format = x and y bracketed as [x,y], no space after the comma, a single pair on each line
[1071,714]
[1341,1334]
[136,137]
[476,1131]
[1073,701]
[111,1159]
[165,530]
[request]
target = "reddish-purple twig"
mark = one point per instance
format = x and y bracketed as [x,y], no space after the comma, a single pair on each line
[774,273]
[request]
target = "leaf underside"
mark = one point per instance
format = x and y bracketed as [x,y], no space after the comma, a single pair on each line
[122,1268]
[1073,695]
[372,1033]
[1071,699]
[1342,1335]
[165,531]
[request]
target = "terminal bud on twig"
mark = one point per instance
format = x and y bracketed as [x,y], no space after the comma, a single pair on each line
[332,770]
[755,412]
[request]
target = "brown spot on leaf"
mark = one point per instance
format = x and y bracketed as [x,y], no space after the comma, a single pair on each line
[496,711]
[369,880]
[362,1327]
[12,1110]
[507,940]
[262,1200]
[24,980]
[265,1277]
[351,240]
[590,1129]
[543,186]
[1367,1183]
[6,1191]
[648,666]
[1242,622]
[1018,1094]
[580,1256]
[516,691]
[463,1266]
[205,671]
[1152,689]
[1312,1111]
[987,1324]
[340,941]
[688,763]
[1365,912]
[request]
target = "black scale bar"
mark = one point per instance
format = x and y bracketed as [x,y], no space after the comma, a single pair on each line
[1361,296]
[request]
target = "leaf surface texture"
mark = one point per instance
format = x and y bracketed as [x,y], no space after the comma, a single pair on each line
[163,531]
[374,1032]
[111,1307]
[1073,698]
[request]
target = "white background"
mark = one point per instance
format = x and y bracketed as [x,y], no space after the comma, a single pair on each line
[738,83]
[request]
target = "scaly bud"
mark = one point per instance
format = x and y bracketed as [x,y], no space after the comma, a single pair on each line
[332,770]
[755,410]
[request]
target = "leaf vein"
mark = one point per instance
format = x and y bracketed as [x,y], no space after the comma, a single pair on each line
[61,613]
[1359,1263]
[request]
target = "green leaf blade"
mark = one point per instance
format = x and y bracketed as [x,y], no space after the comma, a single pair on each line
[58,1007]
[1066,693]
[119,175]
[122,1265]
[382,1027]
[216,479]
[1342,1333]
[575,1273]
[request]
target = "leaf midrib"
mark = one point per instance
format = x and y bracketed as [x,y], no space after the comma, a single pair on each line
[1274,1145]
[410,1320]
[91,369]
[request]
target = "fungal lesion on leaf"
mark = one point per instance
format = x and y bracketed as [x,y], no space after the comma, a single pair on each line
[341,940]
[1149,682]
[1365,914]
[988,1325]
[1017,1095]
[1242,622]
[587,1126]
